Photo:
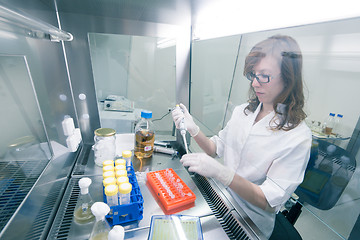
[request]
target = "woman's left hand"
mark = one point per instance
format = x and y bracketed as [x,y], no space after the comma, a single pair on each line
[207,166]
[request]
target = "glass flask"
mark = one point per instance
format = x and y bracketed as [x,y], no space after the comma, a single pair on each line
[144,136]
[104,147]
[82,213]
[101,227]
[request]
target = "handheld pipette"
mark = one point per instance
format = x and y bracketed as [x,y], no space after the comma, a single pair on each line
[183,132]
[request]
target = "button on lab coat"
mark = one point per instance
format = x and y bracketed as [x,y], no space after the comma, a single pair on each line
[273,159]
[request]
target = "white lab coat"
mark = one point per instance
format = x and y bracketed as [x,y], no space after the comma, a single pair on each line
[273,159]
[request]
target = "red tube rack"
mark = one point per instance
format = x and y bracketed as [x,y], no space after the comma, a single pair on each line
[170,189]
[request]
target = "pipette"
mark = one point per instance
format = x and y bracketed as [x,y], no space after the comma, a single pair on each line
[183,132]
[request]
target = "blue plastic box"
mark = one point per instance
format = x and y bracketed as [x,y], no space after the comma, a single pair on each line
[121,214]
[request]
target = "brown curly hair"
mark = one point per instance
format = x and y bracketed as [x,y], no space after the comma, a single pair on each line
[287,50]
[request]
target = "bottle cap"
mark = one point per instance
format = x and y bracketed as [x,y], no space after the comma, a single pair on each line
[111,190]
[331,149]
[146,114]
[109,181]
[121,173]
[108,162]
[108,174]
[121,180]
[345,160]
[108,168]
[332,114]
[340,115]
[125,188]
[99,210]
[120,167]
[105,132]
[120,161]
[84,184]
[116,233]
[126,153]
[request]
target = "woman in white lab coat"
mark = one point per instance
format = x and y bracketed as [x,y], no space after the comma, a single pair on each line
[266,143]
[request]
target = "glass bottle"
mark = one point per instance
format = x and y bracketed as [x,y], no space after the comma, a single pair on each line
[104,147]
[329,124]
[82,213]
[144,136]
[337,127]
[101,228]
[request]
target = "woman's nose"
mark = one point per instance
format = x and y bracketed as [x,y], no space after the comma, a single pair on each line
[255,83]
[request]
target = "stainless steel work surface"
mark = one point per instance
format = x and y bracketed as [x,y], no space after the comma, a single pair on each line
[64,224]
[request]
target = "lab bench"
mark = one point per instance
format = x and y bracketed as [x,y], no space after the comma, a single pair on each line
[220,217]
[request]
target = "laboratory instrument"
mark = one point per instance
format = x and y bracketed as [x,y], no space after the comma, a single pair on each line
[101,228]
[144,136]
[82,213]
[182,129]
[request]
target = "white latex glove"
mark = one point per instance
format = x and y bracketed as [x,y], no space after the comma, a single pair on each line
[207,166]
[180,113]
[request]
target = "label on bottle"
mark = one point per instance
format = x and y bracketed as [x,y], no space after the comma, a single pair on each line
[147,148]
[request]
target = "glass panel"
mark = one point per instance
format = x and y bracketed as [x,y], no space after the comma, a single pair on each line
[331,56]
[24,148]
[133,73]
[212,69]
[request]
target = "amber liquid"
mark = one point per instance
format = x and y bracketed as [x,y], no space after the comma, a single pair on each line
[100,236]
[328,130]
[83,217]
[144,143]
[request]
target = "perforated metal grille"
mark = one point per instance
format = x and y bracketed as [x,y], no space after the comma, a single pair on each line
[39,229]
[16,179]
[230,224]
[62,223]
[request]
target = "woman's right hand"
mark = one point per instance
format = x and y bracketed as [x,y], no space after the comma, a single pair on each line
[180,113]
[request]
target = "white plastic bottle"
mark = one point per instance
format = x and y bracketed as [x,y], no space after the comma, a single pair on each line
[101,227]
[144,136]
[116,233]
[329,124]
[82,213]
